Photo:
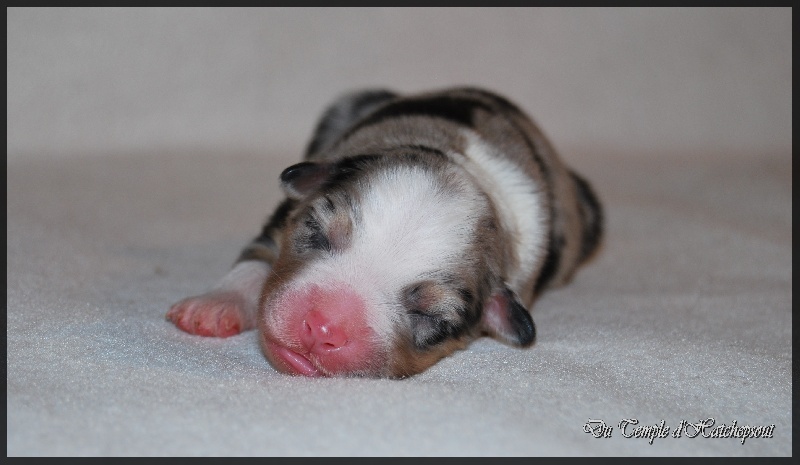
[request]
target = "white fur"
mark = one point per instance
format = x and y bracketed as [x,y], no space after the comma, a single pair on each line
[518,202]
[409,227]
[246,278]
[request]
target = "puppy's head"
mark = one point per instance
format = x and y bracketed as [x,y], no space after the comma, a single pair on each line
[388,263]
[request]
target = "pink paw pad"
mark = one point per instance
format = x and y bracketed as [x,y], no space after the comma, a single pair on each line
[216,314]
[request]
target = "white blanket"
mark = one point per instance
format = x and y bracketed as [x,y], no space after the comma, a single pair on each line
[686,314]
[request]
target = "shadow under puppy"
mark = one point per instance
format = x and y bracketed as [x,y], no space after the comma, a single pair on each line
[415,225]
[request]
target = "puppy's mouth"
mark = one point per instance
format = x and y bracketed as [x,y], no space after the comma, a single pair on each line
[292,362]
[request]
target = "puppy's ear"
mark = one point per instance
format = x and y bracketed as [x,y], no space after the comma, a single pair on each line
[301,180]
[507,320]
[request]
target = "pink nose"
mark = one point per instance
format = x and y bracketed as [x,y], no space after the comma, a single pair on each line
[320,335]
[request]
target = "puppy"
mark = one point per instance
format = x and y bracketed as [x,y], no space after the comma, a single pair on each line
[415,225]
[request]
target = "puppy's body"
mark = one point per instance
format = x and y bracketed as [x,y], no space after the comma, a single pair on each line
[415,225]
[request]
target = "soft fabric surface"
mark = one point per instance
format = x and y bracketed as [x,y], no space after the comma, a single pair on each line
[143,152]
[685,315]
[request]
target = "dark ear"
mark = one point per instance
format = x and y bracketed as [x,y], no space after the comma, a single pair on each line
[507,320]
[302,179]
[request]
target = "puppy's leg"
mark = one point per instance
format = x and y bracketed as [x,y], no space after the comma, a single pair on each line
[228,308]
[231,306]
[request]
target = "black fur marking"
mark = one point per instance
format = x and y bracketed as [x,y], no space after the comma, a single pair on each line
[423,148]
[592,216]
[329,206]
[551,262]
[372,98]
[459,110]
[348,167]
[348,200]
[275,223]
[342,115]
[323,129]
[278,219]
[314,239]
[472,307]
[317,141]
[466,296]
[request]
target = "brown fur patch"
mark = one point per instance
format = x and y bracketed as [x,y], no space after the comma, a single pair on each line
[406,360]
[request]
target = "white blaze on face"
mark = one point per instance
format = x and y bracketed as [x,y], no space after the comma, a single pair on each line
[517,200]
[410,225]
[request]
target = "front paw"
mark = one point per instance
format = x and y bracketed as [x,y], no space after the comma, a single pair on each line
[217,314]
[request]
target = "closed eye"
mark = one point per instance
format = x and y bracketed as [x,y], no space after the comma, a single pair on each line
[427,317]
[428,329]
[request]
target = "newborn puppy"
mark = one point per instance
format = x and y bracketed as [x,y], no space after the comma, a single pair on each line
[414,226]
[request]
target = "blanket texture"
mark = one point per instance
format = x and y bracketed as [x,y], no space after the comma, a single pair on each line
[684,316]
